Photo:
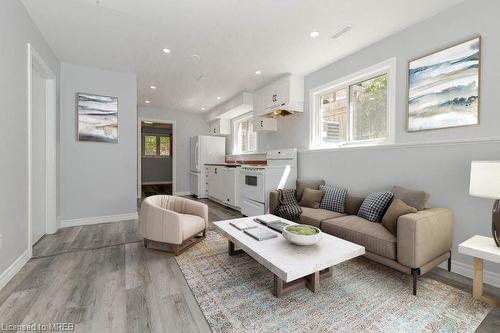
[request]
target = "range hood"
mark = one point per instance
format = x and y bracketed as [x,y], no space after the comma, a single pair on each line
[283,97]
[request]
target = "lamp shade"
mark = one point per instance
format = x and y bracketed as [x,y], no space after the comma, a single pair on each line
[485,179]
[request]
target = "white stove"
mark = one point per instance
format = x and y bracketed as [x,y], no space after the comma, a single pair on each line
[257,181]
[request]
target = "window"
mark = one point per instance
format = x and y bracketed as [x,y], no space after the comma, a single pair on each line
[357,110]
[156,146]
[244,136]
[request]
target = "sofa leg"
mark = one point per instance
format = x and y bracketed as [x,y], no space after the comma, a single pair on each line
[204,232]
[145,243]
[449,263]
[415,272]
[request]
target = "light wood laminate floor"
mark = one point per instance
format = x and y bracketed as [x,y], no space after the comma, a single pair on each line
[102,279]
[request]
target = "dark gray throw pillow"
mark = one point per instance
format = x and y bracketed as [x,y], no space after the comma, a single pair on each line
[417,199]
[375,205]
[334,198]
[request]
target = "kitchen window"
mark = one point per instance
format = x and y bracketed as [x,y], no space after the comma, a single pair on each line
[244,136]
[357,110]
[156,146]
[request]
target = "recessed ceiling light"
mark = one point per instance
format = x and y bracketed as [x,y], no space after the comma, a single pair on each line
[202,109]
[153,87]
[314,34]
[196,57]
[147,102]
[166,51]
[258,72]
[218,97]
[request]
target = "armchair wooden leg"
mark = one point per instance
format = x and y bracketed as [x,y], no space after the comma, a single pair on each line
[449,263]
[145,243]
[415,272]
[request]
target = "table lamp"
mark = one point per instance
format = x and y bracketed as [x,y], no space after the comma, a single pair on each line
[485,183]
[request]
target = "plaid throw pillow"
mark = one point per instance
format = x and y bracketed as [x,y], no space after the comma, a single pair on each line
[334,198]
[375,205]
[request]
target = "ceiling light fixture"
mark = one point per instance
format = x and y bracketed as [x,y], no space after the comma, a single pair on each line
[153,87]
[166,51]
[342,31]
[147,102]
[314,34]
[218,97]
[257,72]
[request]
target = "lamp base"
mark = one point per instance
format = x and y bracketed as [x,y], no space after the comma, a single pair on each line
[495,222]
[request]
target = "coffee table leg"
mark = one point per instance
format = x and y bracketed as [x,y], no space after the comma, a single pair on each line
[312,282]
[231,248]
[278,286]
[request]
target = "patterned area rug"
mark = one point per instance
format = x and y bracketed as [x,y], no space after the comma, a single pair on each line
[235,295]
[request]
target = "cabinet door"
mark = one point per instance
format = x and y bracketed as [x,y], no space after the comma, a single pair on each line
[229,186]
[218,183]
[265,124]
[211,182]
[214,129]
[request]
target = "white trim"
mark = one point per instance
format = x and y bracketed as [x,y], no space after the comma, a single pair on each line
[51,223]
[182,193]
[492,140]
[14,268]
[99,219]
[388,67]
[491,278]
[139,151]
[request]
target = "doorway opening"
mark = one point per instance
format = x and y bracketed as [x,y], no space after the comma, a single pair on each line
[156,163]
[42,187]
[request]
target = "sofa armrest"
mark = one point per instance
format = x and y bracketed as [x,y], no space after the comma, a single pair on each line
[423,236]
[274,198]
[196,208]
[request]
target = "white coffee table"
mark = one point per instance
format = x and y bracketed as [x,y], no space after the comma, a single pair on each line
[293,266]
[480,248]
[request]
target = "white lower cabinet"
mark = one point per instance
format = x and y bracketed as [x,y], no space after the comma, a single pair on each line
[223,185]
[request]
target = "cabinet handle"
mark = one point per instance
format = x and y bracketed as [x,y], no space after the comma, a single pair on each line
[215,170]
[214,131]
[262,123]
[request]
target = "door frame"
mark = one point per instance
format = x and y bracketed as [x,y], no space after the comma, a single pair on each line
[35,60]
[139,152]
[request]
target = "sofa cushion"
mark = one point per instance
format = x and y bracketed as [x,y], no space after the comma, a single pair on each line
[373,236]
[301,184]
[375,205]
[417,199]
[311,198]
[314,217]
[395,210]
[352,204]
[334,198]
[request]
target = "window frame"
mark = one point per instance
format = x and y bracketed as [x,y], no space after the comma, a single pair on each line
[245,117]
[158,155]
[387,67]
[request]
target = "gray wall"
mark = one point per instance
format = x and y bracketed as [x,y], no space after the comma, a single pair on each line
[442,170]
[187,124]
[156,169]
[16,29]
[98,179]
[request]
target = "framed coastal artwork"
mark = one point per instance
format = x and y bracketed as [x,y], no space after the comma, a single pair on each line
[444,88]
[97,118]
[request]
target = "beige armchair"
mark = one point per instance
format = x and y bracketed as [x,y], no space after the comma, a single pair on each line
[176,221]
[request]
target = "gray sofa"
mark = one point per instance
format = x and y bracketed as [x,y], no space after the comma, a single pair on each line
[423,240]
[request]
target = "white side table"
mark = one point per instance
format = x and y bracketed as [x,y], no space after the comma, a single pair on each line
[480,248]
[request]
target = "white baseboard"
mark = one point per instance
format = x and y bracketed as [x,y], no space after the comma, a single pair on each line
[182,193]
[99,219]
[13,269]
[489,277]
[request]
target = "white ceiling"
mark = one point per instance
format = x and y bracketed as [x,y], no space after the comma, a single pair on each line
[233,38]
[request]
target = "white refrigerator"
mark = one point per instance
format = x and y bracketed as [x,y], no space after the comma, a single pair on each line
[204,150]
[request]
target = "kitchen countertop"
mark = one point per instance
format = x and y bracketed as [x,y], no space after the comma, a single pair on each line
[230,165]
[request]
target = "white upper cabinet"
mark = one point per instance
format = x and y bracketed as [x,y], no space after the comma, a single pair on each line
[220,127]
[282,97]
[265,124]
